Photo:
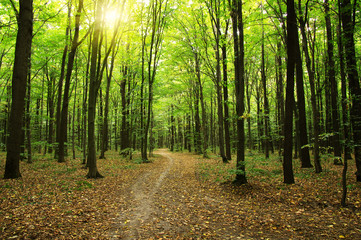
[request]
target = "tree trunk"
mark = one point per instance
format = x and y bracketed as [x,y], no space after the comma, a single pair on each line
[302,123]
[227,136]
[315,116]
[124,140]
[60,87]
[204,113]
[93,92]
[64,112]
[334,91]
[85,97]
[291,62]
[50,102]
[280,98]
[197,121]
[354,82]
[265,99]
[344,102]
[20,73]
[105,135]
[238,41]
[28,118]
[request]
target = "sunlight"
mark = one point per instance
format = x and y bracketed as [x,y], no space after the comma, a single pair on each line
[111,17]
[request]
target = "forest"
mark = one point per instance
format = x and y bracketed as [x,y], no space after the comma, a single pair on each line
[241,93]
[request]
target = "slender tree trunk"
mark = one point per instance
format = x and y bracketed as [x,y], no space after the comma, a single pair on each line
[28,118]
[265,99]
[20,73]
[345,117]
[105,135]
[51,83]
[302,122]
[315,116]
[348,25]
[85,97]
[334,91]
[238,40]
[204,110]
[93,92]
[280,98]
[227,136]
[74,112]
[124,143]
[172,127]
[197,121]
[64,112]
[60,88]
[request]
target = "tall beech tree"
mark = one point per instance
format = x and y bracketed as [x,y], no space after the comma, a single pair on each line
[311,78]
[348,25]
[19,81]
[291,63]
[94,84]
[60,85]
[157,14]
[331,75]
[64,112]
[214,9]
[238,47]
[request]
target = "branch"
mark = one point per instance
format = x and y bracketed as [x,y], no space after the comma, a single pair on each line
[15,9]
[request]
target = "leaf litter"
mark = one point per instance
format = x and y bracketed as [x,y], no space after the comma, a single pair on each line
[176,196]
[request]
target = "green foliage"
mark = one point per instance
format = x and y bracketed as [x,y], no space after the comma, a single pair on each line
[82,184]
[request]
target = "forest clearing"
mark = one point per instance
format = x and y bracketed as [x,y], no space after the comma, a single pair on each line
[178,195]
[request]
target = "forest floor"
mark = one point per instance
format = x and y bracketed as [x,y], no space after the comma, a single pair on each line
[176,196]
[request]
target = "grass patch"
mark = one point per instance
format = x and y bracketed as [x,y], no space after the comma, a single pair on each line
[83,184]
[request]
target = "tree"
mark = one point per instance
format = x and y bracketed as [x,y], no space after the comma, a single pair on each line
[311,78]
[348,25]
[93,93]
[333,87]
[158,13]
[20,74]
[291,62]
[238,44]
[64,112]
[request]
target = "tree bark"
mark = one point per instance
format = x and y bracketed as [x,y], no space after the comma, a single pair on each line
[64,113]
[291,62]
[354,82]
[105,135]
[301,105]
[20,73]
[28,118]
[265,99]
[227,136]
[315,115]
[93,92]
[334,91]
[60,88]
[124,140]
[238,42]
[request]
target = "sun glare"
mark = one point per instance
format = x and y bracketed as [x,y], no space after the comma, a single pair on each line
[111,16]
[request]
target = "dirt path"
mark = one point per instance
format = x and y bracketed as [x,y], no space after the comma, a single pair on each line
[168,200]
[143,191]
[142,194]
